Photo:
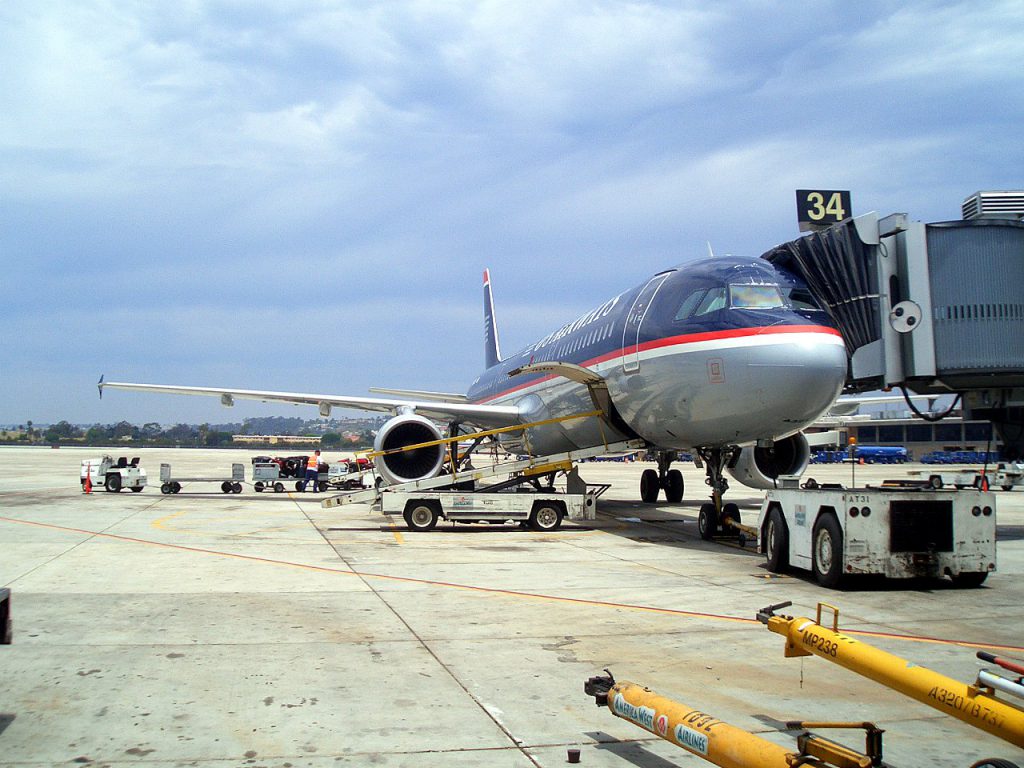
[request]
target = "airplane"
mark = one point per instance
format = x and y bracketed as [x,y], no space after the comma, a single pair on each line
[728,358]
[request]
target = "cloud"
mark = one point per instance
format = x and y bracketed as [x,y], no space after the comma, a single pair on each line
[210,174]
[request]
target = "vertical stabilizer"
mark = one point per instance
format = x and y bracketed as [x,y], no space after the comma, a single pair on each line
[492,351]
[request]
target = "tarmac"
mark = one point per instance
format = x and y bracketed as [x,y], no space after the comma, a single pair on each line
[214,630]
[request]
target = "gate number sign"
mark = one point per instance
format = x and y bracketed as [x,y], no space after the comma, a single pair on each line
[818,208]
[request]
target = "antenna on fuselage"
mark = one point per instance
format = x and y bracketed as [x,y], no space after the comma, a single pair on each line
[711,253]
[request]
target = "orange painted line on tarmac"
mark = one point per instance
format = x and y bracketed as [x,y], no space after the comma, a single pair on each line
[498,591]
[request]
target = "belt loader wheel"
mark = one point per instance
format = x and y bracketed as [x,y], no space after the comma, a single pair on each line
[545,516]
[422,515]
[707,521]
[827,554]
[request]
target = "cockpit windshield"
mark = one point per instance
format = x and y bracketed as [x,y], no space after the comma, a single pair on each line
[764,296]
[735,296]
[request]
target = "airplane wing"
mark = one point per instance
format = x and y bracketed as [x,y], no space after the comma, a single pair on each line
[490,416]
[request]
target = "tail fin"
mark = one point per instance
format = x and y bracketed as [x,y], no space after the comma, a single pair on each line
[492,350]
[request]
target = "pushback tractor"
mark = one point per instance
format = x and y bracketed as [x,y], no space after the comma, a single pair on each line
[901,532]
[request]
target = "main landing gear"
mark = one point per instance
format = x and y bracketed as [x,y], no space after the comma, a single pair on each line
[651,482]
[714,513]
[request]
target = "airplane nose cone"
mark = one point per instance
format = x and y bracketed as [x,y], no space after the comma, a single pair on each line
[795,385]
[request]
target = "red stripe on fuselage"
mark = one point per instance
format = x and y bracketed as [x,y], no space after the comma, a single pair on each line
[681,340]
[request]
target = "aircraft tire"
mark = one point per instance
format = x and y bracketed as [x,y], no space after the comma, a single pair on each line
[674,487]
[649,486]
[707,521]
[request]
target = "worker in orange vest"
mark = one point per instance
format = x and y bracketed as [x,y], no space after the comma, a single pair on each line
[313,472]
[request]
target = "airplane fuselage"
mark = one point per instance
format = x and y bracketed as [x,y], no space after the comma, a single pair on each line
[713,353]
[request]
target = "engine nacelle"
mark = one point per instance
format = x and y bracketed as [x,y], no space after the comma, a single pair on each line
[415,464]
[760,467]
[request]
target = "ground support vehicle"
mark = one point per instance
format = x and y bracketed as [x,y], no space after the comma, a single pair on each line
[723,744]
[977,704]
[347,475]
[541,511]
[1004,476]
[898,532]
[114,474]
[5,616]
[170,484]
[508,490]
[268,475]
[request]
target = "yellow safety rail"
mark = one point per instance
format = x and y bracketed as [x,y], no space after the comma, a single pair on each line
[485,433]
[970,703]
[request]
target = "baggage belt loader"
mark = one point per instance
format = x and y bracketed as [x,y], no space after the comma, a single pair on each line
[504,491]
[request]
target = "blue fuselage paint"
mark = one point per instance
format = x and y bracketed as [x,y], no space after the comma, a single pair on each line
[682,373]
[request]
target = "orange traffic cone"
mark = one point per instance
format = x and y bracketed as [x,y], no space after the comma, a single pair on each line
[88,478]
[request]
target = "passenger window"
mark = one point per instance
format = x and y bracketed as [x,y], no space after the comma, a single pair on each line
[713,300]
[691,301]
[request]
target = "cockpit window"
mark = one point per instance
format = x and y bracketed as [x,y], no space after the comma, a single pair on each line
[691,301]
[714,299]
[755,297]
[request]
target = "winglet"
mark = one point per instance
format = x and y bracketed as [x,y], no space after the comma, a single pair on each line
[492,350]
[99,386]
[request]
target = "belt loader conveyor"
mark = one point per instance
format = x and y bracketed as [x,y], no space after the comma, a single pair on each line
[525,467]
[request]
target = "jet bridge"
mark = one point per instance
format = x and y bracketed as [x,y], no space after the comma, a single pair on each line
[928,308]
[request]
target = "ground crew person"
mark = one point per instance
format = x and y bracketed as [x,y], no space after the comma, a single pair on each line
[313,472]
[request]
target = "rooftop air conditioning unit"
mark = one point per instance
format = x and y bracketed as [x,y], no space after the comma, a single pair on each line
[994,205]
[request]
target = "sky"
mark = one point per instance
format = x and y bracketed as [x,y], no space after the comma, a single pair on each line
[302,196]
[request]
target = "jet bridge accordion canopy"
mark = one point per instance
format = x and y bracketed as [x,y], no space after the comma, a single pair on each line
[961,283]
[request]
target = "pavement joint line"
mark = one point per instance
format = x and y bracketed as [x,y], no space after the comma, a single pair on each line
[499,591]
[513,741]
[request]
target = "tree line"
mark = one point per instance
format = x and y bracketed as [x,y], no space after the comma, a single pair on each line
[183,435]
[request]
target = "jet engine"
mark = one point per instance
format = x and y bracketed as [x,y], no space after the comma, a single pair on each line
[759,467]
[413,464]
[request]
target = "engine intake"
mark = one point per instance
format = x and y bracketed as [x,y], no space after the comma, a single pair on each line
[761,467]
[407,465]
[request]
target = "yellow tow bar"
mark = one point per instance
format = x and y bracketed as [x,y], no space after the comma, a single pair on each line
[723,744]
[974,705]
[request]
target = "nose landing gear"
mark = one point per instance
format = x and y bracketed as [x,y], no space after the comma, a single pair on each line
[715,514]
